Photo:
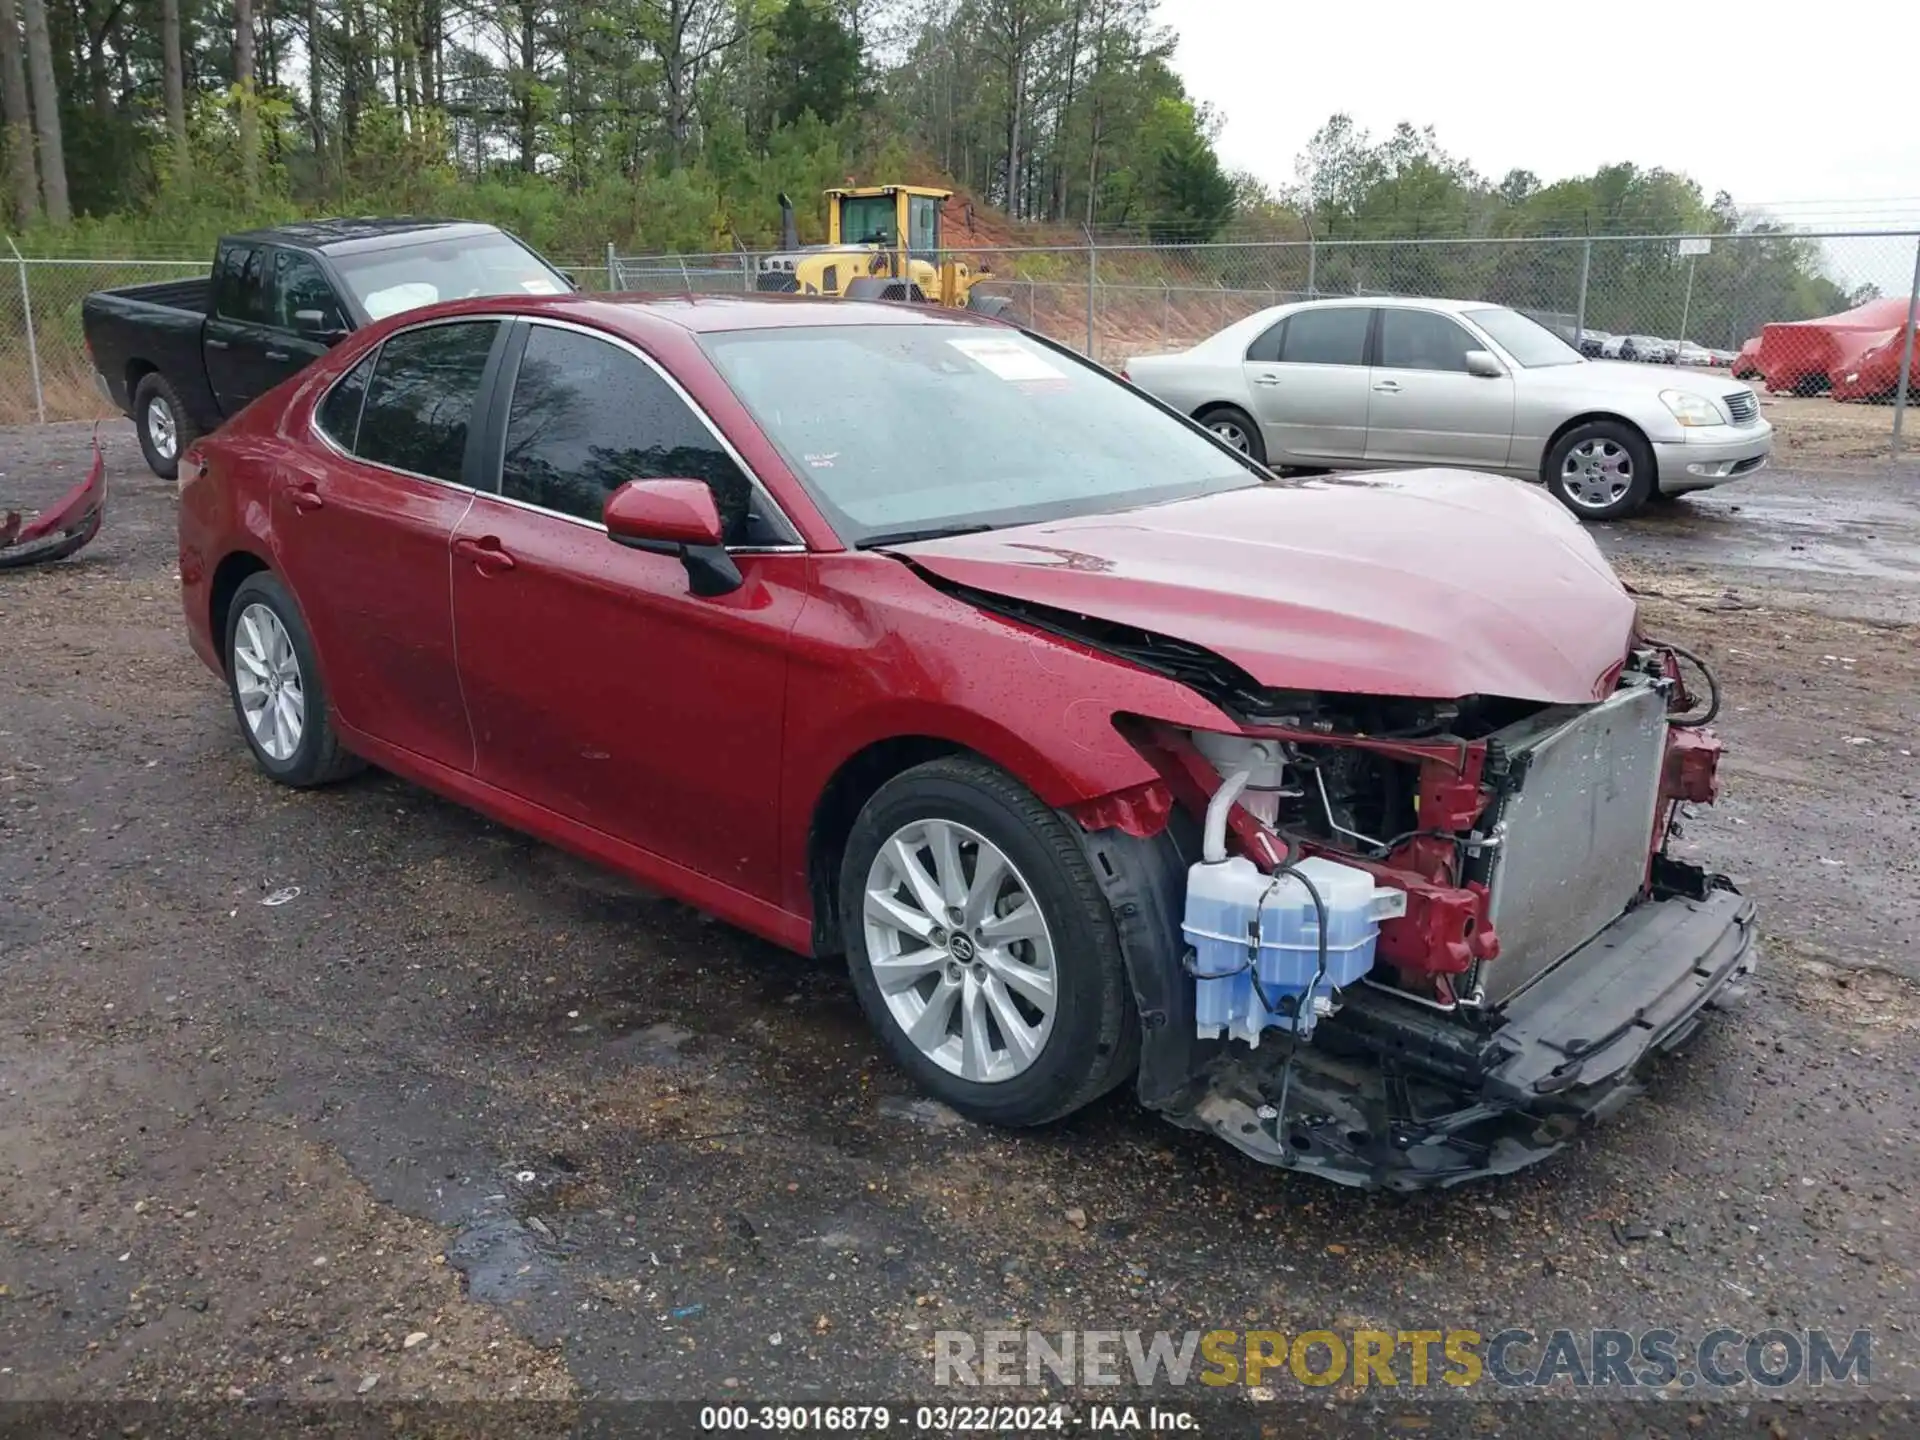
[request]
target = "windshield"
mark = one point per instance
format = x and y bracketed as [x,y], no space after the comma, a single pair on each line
[867,220]
[899,430]
[388,281]
[1529,342]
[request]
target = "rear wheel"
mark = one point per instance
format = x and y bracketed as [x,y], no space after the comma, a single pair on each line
[277,691]
[162,422]
[981,947]
[1602,470]
[1234,426]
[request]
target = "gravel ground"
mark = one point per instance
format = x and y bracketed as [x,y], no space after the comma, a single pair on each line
[465,1118]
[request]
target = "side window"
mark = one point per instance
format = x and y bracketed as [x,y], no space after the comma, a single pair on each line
[1326,337]
[420,400]
[1266,350]
[239,284]
[339,413]
[298,285]
[587,417]
[1422,340]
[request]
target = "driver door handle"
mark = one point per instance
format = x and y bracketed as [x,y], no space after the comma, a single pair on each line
[485,553]
[1388,387]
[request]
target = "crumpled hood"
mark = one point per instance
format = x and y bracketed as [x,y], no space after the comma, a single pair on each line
[1431,583]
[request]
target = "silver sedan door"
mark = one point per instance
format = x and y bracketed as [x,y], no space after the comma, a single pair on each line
[1425,404]
[1308,380]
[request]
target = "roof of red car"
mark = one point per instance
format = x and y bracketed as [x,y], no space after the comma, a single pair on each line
[702,313]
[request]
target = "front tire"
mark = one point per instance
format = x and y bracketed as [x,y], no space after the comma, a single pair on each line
[1236,428]
[163,425]
[1602,470]
[981,947]
[278,696]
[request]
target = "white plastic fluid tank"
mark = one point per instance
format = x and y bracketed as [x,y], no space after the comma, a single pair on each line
[1222,901]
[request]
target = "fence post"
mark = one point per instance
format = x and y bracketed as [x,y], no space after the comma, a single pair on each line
[1906,352]
[1313,258]
[1580,311]
[613,269]
[1093,277]
[33,348]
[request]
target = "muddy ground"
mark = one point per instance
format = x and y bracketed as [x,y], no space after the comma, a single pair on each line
[465,1118]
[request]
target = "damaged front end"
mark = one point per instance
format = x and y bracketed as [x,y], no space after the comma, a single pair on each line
[64,528]
[1417,941]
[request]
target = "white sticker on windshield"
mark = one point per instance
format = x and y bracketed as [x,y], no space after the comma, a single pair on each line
[410,295]
[1008,359]
[539,287]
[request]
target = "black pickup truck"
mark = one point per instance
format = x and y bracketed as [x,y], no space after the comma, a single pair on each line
[180,356]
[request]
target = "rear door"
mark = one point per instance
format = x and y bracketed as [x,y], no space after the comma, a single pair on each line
[1307,377]
[600,686]
[1423,406]
[238,323]
[363,526]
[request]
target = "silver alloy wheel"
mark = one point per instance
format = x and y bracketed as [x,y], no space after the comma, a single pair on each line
[162,429]
[1233,433]
[961,953]
[266,677]
[1596,473]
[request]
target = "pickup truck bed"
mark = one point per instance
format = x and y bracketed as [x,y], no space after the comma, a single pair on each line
[154,327]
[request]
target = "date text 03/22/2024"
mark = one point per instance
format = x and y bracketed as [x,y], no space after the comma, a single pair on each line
[944,1419]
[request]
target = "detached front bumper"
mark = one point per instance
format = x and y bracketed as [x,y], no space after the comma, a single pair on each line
[1393,1095]
[1712,456]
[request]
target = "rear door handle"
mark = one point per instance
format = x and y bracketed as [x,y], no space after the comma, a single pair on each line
[213,344]
[485,553]
[1266,379]
[306,498]
[1388,387]
[278,355]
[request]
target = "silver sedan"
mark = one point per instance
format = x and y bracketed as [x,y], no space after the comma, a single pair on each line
[1391,381]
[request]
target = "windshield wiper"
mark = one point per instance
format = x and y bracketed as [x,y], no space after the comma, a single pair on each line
[930,532]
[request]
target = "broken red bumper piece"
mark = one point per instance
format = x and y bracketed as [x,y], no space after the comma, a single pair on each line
[64,527]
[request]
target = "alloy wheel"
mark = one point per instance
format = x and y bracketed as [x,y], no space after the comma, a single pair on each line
[961,953]
[266,677]
[1596,473]
[1231,432]
[162,429]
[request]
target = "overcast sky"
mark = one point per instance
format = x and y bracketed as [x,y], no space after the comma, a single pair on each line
[1812,111]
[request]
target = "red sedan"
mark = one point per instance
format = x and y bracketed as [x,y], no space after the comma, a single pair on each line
[1333,813]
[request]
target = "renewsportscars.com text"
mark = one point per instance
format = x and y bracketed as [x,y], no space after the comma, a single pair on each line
[1512,1359]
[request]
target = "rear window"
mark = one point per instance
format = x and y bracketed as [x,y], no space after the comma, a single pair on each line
[1326,337]
[339,413]
[419,404]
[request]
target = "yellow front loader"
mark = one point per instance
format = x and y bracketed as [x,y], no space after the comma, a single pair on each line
[883,243]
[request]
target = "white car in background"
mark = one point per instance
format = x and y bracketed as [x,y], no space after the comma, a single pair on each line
[1392,381]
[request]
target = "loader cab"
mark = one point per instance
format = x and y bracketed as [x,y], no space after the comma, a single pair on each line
[882,214]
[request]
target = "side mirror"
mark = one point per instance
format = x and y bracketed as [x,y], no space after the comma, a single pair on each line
[674,517]
[1483,364]
[319,325]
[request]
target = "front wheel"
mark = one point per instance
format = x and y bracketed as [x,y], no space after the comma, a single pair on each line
[163,425]
[1602,470]
[1237,429]
[981,947]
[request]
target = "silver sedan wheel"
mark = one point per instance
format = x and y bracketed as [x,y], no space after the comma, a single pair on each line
[1233,433]
[162,429]
[1596,473]
[266,677]
[960,951]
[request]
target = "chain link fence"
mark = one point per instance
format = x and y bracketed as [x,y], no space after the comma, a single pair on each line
[1815,319]
[1821,321]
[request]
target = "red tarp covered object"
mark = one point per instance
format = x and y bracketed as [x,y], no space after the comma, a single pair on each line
[1806,356]
[64,526]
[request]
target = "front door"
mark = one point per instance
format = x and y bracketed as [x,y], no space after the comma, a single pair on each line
[364,536]
[1310,400]
[600,686]
[1424,407]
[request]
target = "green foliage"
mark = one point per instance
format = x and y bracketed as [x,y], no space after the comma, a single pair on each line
[814,62]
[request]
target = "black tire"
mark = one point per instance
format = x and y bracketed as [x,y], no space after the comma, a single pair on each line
[1236,428]
[991,306]
[153,391]
[1094,1042]
[1610,438]
[317,758]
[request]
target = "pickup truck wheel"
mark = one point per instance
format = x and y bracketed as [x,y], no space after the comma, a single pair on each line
[277,691]
[1602,470]
[164,427]
[982,948]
